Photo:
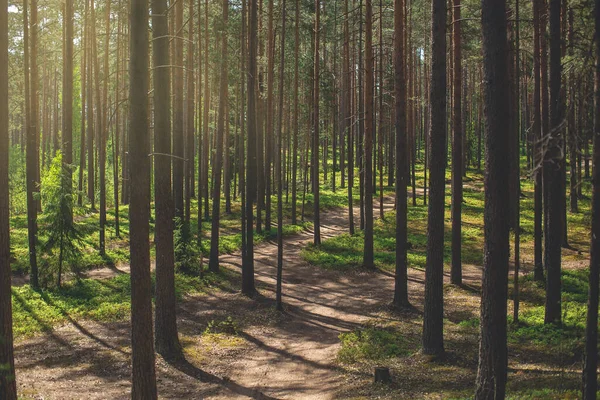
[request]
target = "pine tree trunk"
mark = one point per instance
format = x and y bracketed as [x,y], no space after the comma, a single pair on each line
[218,163]
[433,319]
[457,149]
[590,365]
[316,132]
[368,256]
[251,153]
[553,161]
[142,343]
[8,386]
[492,367]
[167,342]
[31,160]
[401,280]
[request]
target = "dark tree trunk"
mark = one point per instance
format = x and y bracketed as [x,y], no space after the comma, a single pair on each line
[553,162]
[205,133]
[368,256]
[315,138]
[433,319]
[251,168]
[590,366]
[457,149]
[223,92]
[401,281]
[167,342]
[31,160]
[296,104]
[278,164]
[492,367]
[178,116]
[142,343]
[8,386]
[538,272]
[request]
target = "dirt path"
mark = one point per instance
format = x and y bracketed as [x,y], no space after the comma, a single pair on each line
[289,356]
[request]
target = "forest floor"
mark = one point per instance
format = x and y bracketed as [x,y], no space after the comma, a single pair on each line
[321,347]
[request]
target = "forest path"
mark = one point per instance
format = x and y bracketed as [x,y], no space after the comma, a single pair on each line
[289,356]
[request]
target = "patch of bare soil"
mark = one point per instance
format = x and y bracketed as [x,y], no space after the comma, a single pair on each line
[272,356]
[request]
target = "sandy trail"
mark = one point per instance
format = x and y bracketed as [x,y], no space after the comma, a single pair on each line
[291,356]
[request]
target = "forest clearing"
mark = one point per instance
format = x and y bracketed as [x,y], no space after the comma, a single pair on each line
[299,199]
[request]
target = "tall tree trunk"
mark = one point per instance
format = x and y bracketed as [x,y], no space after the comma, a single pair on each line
[457,149]
[189,117]
[368,256]
[590,365]
[296,100]
[67,96]
[251,168]
[316,132]
[346,123]
[83,106]
[270,116]
[433,319]
[573,153]
[103,134]
[8,386]
[278,164]
[223,93]
[91,187]
[167,342]
[553,173]
[401,281]
[538,271]
[31,160]
[178,115]
[492,367]
[142,343]
[205,133]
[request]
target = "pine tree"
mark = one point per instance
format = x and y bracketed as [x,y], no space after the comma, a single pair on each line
[142,342]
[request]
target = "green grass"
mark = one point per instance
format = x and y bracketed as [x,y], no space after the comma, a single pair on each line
[95,300]
[371,343]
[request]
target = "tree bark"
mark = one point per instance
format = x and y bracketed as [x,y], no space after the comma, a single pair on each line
[590,365]
[251,168]
[142,343]
[368,256]
[553,161]
[8,386]
[315,138]
[167,342]
[492,366]
[457,149]
[433,319]
[401,281]
[223,93]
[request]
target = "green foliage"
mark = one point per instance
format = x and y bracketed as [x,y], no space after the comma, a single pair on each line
[63,236]
[371,344]
[187,257]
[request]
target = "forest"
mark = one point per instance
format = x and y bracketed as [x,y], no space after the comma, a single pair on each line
[299,199]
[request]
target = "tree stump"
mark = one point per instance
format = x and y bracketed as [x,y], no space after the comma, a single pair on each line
[382,375]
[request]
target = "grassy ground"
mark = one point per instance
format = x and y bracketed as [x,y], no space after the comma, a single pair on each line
[545,360]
